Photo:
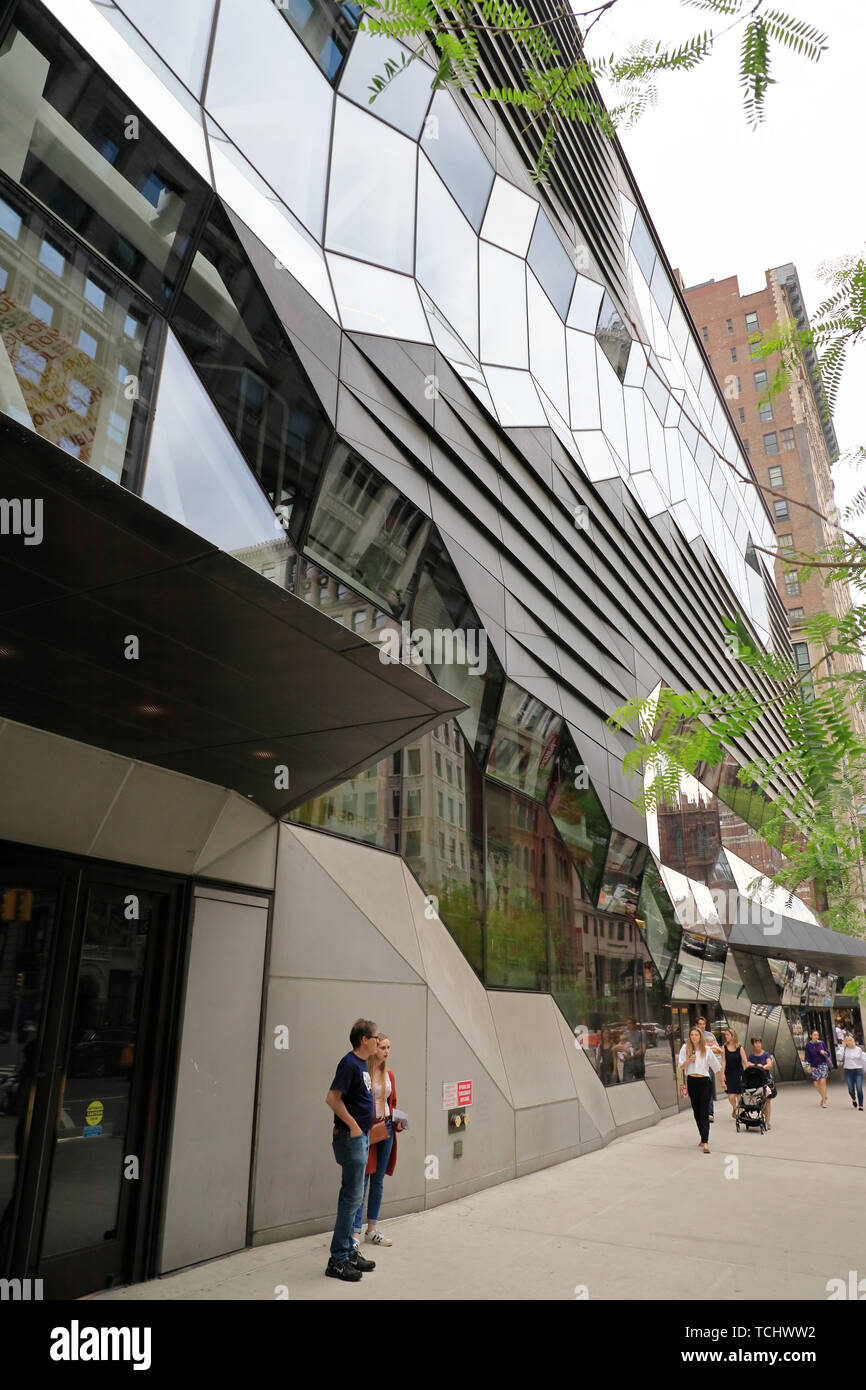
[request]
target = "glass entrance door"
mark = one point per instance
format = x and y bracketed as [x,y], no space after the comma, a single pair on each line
[91,961]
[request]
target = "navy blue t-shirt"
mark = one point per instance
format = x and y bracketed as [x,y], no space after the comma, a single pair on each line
[352,1080]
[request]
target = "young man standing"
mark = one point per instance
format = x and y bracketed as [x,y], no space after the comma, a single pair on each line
[351,1099]
[710,1042]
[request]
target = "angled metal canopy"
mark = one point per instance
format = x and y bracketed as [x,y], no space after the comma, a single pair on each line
[232,677]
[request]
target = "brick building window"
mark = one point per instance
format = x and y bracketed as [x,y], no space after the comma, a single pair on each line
[733,352]
[786,543]
[801,657]
[792,585]
[796,615]
[747,446]
[771,443]
[742,414]
[752,325]
[705,333]
[730,325]
[765,411]
[788,441]
[776,478]
[780,508]
[760,381]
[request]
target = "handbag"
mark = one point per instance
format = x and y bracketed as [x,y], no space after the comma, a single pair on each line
[378,1132]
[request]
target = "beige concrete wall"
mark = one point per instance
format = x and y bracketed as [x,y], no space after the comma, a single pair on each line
[352,937]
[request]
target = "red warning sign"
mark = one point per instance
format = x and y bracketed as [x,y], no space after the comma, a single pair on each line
[464,1092]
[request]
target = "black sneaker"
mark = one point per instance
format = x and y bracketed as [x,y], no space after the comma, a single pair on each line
[345,1270]
[358,1262]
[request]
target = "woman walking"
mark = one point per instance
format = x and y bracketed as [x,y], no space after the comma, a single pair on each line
[733,1062]
[853,1061]
[383,1152]
[817,1060]
[699,1066]
[759,1058]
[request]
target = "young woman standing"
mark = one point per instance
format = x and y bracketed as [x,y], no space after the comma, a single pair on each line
[383,1155]
[817,1061]
[733,1062]
[699,1066]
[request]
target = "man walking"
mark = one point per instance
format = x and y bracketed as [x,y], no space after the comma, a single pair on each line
[351,1099]
[710,1042]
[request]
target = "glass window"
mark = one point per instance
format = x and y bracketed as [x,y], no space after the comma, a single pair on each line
[787,441]
[795,615]
[792,585]
[504,337]
[437,759]
[517,835]
[355,809]
[253,54]
[413,803]
[780,507]
[179,33]
[752,325]
[705,334]
[547,348]
[525,742]
[371,197]
[414,762]
[196,474]
[747,446]
[771,443]
[61,369]
[578,814]
[404,101]
[552,265]
[373,300]
[234,340]
[464,663]
[742,415]
[439,805]
[760,381]
[765,412]
[786,543]
[457,156]
[613,336]
[733,352]
[446,255]
[76,146]
[365,531]
[730,325]
[325,28]
[776,478]
[510,218]
[620,885]
[315,586]
[644,250]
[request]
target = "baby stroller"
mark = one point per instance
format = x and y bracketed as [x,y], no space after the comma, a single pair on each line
[750,1111]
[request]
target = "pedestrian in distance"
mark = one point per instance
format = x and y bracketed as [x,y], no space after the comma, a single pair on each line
[853,1062]
[817,1063]
[759,1058]
[383,1150]
[699,1065]
[351,1098]
[710,1040]
[733,1062]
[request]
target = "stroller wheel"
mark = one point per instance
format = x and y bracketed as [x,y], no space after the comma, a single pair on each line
[738,1126]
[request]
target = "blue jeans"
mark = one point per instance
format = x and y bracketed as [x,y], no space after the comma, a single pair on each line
[383,1153]
[855,1078]
[351,1154]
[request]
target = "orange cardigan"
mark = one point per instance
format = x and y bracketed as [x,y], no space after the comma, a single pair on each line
[373,1159]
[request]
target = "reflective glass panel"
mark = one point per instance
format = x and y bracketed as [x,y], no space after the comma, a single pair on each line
[571,964]
[363,808]
[509,218]
[619,967]
[234,340]
[578,814]
[620,885]
[504,338]
[651,1041]
[364,530]
[547,347]
[443,832]
[324,27]
[77,344]
[447,255]
[456,154]
[196,475]
[71,140]
[179,33]
[372,300]
[550,261]
[403,102]
[642,245]
[658,922]
[525,743]
[518,832]
[469,667]
[256,63]
[371,198]
[331,596]
[613,336]
[515,397]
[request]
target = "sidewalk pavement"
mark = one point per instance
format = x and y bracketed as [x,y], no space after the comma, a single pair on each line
[771,1216]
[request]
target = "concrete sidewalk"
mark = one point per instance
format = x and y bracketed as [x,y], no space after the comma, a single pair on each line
[771,1216]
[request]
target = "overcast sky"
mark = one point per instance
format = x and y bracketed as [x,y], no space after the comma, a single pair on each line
[727,200]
